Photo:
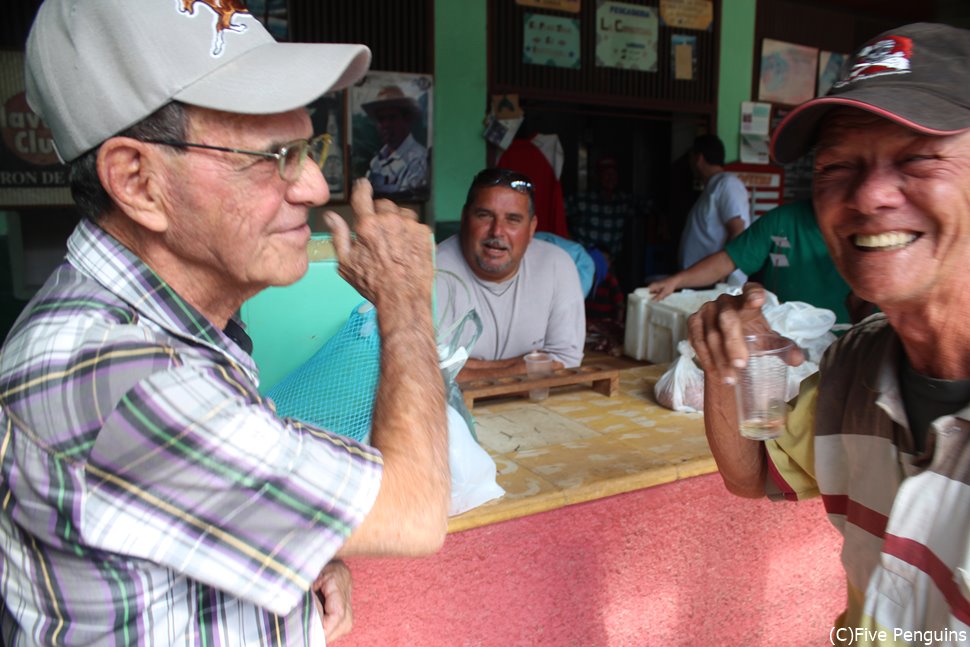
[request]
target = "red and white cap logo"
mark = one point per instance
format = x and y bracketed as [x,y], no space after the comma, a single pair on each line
[888,55]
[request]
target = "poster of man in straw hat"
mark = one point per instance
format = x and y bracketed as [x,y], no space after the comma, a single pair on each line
[391,134]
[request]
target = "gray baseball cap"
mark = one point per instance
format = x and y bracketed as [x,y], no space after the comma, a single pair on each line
[96,67]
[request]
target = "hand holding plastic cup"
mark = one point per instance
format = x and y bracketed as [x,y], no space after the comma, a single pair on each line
[538,364]
[761,387]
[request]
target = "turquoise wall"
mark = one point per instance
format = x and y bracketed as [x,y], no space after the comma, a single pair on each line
[734,70]
[461,88]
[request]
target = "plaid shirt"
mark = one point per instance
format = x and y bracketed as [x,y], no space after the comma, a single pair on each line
[595,221]
[149,494]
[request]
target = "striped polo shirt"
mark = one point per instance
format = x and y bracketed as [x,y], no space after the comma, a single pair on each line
[904,517]
[149,494]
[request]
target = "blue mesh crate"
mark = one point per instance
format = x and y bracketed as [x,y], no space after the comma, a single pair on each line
[289,324]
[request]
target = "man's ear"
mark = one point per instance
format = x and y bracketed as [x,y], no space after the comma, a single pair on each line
[131,172]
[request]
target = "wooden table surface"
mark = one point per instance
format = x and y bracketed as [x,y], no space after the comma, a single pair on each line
[579,445]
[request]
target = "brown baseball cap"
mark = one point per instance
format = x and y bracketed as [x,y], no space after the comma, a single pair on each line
[917,75]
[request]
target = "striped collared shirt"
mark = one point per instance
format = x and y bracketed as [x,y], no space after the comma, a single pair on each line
[905,518]
[149,494]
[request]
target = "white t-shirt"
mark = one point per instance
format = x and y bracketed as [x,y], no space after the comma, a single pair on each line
[540,308]
[705,233]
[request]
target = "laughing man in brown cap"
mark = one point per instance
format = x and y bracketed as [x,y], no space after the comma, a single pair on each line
[882,433]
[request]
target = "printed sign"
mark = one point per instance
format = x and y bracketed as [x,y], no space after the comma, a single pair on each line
[556,5]
[550,40]
[684,56]
[626,36]
[30,173]
[687,14]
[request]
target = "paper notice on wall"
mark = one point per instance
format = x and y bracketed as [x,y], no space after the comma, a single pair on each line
[685,56]
[551,40]
[501,132]
[754,149]
[687,14]
[626,36]
[755,126]
[506,106]
[755,118]
[556,5]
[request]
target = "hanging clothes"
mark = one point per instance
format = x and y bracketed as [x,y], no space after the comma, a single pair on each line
[523,156]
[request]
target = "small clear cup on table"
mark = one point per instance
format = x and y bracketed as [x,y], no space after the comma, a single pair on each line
[762,386]
[538,364]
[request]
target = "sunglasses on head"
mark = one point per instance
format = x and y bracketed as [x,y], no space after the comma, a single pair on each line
[503,177]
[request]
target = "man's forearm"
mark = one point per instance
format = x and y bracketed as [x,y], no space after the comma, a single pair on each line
[483,369]
[740,461]
[410,429]
[707,271]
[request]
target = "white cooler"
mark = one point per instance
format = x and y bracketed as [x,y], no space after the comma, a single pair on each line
[653,328]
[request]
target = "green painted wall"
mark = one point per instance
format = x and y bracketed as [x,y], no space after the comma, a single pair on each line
[735,69]
[461,87]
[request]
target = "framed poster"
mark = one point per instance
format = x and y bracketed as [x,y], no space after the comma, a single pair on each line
[30,172]
[787,72]
[390,133]
[273,15]
[829,66]
[329,115]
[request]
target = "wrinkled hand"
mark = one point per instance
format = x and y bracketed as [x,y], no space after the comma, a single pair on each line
[391,255]
[717,331]
[332,589]
[663,288]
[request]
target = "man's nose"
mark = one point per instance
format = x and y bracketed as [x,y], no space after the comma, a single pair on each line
[310,187]
[497,228]
[877,187]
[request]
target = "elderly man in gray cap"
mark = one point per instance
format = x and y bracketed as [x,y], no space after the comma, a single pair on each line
[882,432]
[150,494]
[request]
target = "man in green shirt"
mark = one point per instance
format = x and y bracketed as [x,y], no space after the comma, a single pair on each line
[786,247]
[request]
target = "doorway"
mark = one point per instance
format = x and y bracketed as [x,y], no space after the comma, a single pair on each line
[650,150]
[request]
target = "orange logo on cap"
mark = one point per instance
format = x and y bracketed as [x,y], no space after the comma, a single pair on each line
[225,10]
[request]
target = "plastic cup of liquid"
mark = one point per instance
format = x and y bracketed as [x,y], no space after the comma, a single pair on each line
[538,364]
[762,386]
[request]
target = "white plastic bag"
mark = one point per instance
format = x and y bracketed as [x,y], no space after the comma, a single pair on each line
[472,469]
[807,326]
[681,387]
[804,324]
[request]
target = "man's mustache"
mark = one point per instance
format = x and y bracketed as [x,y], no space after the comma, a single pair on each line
[495,242]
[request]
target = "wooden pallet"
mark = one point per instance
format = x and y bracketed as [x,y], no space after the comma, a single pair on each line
[604,380]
